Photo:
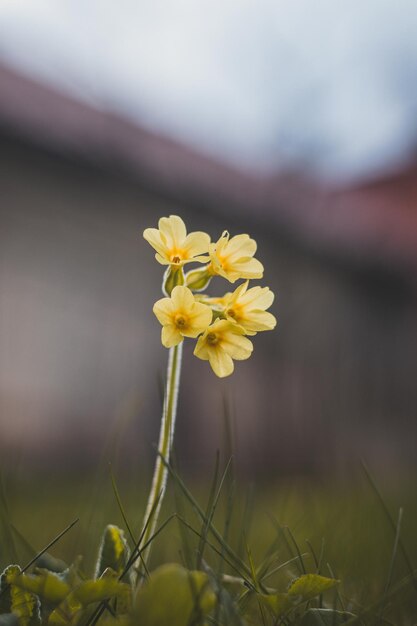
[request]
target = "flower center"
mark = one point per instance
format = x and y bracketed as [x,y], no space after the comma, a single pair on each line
[180,321]
[223,261]
[212,339]
[177,255]
[231,312]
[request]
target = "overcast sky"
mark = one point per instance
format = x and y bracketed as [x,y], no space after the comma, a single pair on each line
[325,82]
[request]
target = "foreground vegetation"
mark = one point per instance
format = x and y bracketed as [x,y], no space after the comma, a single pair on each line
[228,555]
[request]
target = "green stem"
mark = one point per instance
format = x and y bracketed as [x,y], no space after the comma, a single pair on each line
[166,436]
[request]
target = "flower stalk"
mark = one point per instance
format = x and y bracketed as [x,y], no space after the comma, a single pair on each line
[166,436]
[219,324]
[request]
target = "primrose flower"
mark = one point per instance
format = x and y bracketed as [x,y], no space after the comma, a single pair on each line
[172,244]
[233,258]
[181,316]
[247,307]
[222,342]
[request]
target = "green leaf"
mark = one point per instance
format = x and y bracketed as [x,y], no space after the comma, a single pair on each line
[174,596]
[49,586]
[23,604]
[301,589]
[97,590]
[88,592]
[325,617]
[309,586]
[113,552]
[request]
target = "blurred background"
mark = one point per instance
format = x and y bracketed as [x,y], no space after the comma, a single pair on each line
[296,127]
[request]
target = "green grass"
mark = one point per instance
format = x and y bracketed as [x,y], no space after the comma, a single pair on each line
[344,525]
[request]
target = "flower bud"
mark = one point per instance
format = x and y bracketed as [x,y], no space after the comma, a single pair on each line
[198,280]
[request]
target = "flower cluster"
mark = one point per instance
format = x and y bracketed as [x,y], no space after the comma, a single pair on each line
[221,324]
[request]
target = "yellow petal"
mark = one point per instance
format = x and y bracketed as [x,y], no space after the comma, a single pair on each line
[221,363]
[219,246]
[163,310]
[153,236]
[258,298]
[241,246]
[231,275]
[249,268]
[174,230]
[163,260]
[200,318]
[258,320]
[212,248]
[196,243]
[237,346]
[225,300]
[197,259]
[201,349]
[182,298]
[237,295]
[223,326]
[170,336]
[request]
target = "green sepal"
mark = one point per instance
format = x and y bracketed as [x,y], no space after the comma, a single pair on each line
[173,277]
[175,596]
[113,552]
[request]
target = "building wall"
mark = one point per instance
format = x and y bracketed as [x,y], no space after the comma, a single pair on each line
[81,365]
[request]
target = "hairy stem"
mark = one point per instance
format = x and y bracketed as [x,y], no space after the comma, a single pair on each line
[166,435]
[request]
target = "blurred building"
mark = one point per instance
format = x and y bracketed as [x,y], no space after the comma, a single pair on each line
[81,363]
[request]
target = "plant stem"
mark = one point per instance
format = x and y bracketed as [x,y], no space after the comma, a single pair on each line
[166,436]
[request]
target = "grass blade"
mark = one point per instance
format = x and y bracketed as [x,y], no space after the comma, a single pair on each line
[119,504]
[210,509]
[229,551]
[393,525]
[392,562]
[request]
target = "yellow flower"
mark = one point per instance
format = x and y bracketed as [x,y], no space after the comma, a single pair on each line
[233,258]
[222,342]
[172,244]
[181,316]
[247,307]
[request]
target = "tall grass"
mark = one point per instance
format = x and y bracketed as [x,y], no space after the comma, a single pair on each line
[261,536]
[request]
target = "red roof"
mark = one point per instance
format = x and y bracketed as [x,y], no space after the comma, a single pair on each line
[375,221]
